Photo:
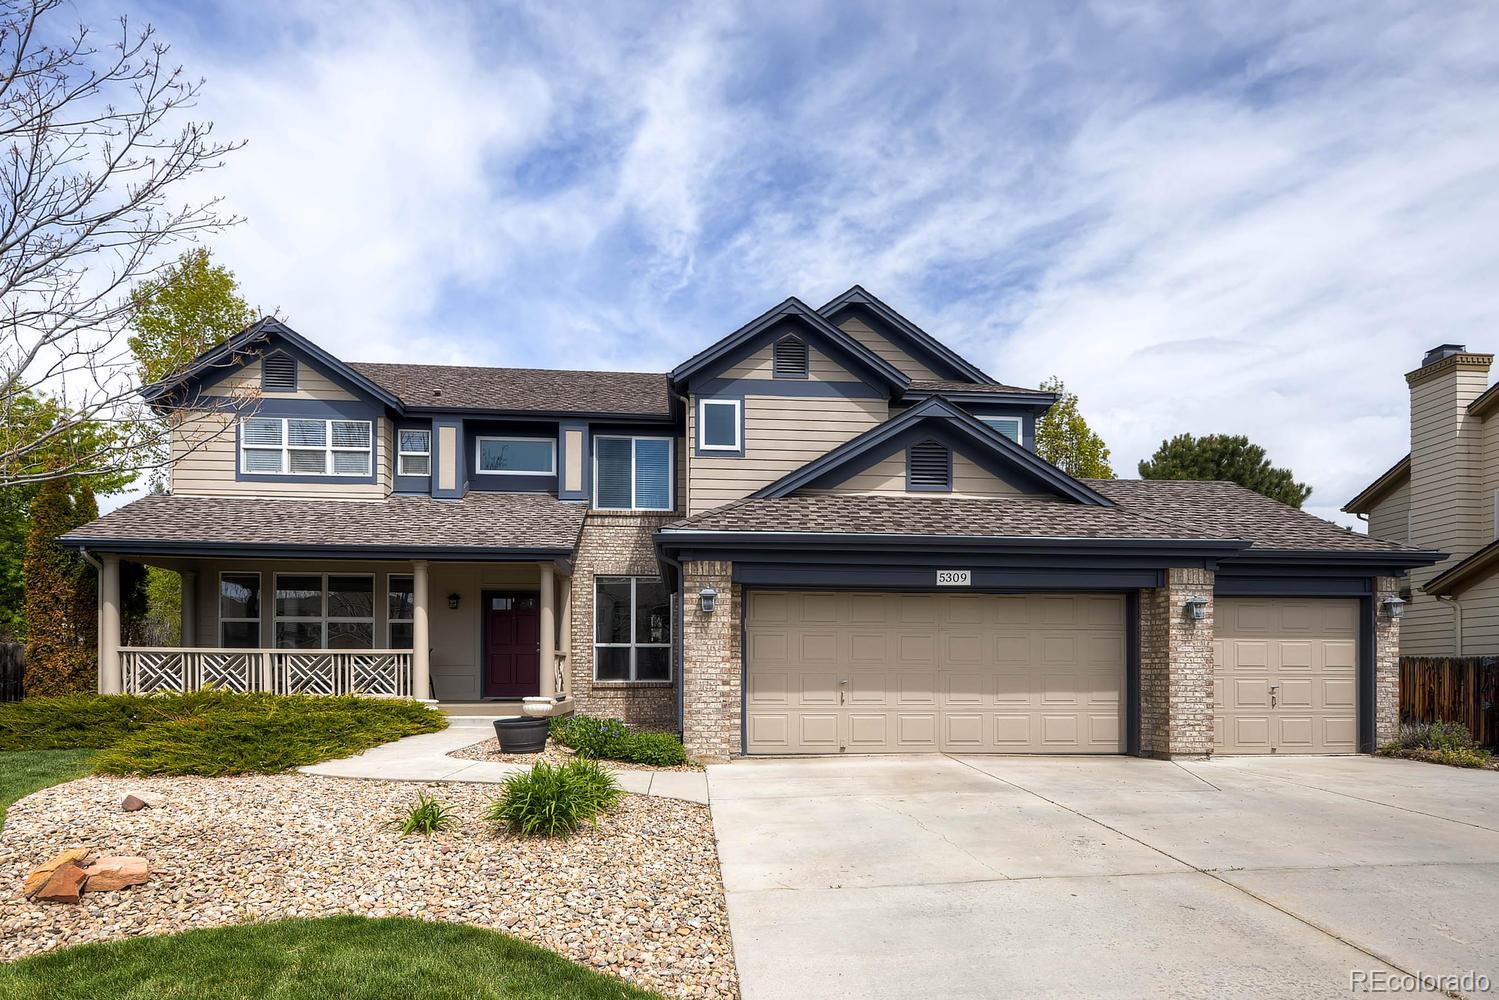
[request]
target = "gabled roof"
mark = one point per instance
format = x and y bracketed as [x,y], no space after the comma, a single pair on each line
[1466,572]
[1486,401]
[923,343]
[949,423]
[814,324]
[247,343]
[421,388]
[1375,491]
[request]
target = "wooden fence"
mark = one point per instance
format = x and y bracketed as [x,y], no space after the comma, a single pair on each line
[1452,689]
[12,666]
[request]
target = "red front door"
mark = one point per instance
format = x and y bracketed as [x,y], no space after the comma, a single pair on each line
[512,644]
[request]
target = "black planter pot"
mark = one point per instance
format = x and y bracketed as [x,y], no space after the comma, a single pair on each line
[524,735]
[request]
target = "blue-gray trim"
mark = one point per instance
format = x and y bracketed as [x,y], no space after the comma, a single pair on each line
[375,551]
[483,413]
[336,409]
[1036,402]
[276,412]
[922,345]
[1132,672]
[743,675]
[697,427]
[775,323]
[586,493]
[296,371]
[794,388]
[806,372]
[489,482]
[803,575]
[1292,586]
[1328,562]
[935,417]
[1367,669]
[460,465]
[912,486]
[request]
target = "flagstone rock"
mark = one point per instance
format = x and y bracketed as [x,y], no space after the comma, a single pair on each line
[39,875]
[109,874]
[65,885]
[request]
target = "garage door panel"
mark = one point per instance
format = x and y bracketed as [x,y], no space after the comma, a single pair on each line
[963,649]
[917,647]
[816,688]
[819,647]
[769,646]
[1013,733]
[818,731]
[1295,693]
[1339,693]
[867,647]
[964,730]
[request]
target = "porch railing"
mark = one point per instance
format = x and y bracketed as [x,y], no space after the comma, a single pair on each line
[374,672]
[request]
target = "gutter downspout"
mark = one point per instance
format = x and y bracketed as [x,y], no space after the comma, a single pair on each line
[680,642]
[1457,621]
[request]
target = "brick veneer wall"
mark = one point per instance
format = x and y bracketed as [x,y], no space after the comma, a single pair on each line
[615,545]
[1386,663]
[712,648]
[1176,667]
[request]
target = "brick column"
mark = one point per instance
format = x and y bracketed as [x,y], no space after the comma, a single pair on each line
[1386,663]
[1176,667]
[711,672]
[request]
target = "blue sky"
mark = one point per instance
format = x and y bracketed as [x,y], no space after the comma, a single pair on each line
[1238,217]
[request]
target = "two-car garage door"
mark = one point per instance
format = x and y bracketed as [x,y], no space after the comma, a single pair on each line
[854,672]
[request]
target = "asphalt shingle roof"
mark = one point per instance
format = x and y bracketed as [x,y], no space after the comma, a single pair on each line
[483,522]
[952,385]
[539,390]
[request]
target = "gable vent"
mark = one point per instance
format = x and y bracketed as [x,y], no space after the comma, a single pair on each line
[930,467]
[790,359]
[278,373]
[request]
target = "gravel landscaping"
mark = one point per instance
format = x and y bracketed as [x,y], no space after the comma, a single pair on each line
[639,897]
[553,754]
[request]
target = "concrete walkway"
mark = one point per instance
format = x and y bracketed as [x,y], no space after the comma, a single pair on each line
[978,877]
[425,758]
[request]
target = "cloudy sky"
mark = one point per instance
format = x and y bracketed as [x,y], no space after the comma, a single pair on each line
[1246,218]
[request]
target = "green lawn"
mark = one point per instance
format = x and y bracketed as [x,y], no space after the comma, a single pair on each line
[28,771]
[335,958]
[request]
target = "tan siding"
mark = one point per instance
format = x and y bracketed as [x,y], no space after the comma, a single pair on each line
[311,384]
[888,478]
[1390,518]
[877,343]
[820,367]
[781,434]
[204,462]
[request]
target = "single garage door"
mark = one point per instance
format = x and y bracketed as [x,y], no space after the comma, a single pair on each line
[1285,676]
[833,672]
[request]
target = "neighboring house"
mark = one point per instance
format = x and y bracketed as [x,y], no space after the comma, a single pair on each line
[826,532]
[1441,496]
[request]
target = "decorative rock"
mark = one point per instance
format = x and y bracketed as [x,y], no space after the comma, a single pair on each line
[42,873]
[65,885]
[108,874]
[132,804]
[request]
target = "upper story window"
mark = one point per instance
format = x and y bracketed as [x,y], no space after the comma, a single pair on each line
[929,468]
[414,453]
[789,358]
[632,473]
[301,446]
[1008,426]
[718,425]
[278,373]
[506,456]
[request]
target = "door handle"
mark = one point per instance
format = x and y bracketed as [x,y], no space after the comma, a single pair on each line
[1274,695]
[842,690]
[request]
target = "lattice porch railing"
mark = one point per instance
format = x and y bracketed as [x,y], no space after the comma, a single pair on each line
[374,672]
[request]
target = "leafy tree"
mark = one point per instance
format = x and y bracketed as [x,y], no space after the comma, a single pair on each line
[189,307]
[61,610]
[1227,457]
[1065,440]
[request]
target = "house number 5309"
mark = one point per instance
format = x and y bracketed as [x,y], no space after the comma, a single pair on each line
[954,578]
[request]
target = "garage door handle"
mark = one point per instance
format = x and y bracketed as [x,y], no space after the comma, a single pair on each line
[842,690]
[1274,694]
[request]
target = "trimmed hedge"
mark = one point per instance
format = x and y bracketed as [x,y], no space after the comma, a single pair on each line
[611,739]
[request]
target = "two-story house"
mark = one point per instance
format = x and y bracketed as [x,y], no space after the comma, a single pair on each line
[826,532]
[1442,496]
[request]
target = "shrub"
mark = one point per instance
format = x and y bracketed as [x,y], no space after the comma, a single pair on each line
[427,817]
[1447,743]
[553,801]
[587,735]
[653,749]
[611,739]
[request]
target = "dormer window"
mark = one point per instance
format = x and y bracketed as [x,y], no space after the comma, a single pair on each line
[789,358]
[929,468]
[278,373]
[1008,426]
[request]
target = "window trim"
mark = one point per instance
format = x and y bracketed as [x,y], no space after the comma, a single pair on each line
[632,645]
[285,448]
[402,455]
[389,621]
[671,472]
[1019,437]
[702,405]
[324,619]
[219,608]
[479,449]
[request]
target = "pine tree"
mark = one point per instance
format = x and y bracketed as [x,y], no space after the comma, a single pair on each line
[61,594]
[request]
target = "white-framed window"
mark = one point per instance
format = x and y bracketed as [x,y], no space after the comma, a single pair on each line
[413,452]
[718,424]
[1008,426]
[239,611]
[632,473]
[632,629]
[305,446]
[400,610]
[325,611]
[515,456]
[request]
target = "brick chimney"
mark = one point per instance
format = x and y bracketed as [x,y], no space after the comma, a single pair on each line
[1447,505]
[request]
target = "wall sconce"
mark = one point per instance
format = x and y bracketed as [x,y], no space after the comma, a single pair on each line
[707,597]
[453,602]
[1393,606]
[1197,607]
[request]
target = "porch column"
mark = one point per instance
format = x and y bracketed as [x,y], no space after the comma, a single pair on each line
[421,685]
[111,680]
[189,608]
[565,639]
[548,626]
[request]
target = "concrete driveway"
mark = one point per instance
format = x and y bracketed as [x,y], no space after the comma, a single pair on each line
[1024,877]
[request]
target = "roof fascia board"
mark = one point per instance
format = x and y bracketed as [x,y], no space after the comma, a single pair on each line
[1467,571]
[175,548]
[1040,402]
[1376,491]
[501,414]
[925,344]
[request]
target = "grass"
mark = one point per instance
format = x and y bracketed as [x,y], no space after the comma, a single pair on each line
[333,958]
[211,733]
[427,817]
[27,771]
